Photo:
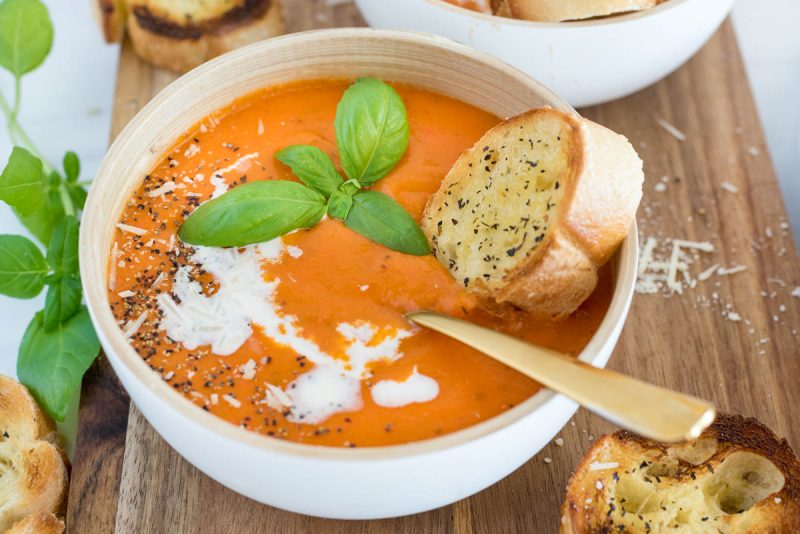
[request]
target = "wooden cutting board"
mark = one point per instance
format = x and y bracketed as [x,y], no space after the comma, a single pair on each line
[718,186]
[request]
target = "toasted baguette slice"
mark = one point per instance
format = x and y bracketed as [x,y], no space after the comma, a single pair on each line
[181,34]
[563,10]
[528,214]
[738,477]
[40,523]
[501,8]
[110,15]
[34,476]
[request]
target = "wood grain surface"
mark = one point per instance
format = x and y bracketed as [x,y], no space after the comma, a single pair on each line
[717,185]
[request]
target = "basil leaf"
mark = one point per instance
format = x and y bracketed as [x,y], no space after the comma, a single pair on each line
[62,252]
[22,267]
[371,130]
[62,301]
[64,295]
[72,166]
[22,184]
[42,221]
[52,364]
[312,166]
[339,205]
[78,195]
[253,213]
[26,35]
[380,218]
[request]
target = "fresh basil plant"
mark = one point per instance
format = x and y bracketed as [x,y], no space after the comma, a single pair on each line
[59,344]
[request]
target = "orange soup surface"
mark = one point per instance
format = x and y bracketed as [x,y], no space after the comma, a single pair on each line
[242,332]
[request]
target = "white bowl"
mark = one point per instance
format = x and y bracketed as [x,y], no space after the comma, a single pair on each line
[324,481]
[586,62]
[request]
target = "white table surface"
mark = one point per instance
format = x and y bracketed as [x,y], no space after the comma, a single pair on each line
[67,106]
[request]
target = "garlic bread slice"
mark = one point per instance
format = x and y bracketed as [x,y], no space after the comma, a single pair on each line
[737,478]
[528,214]
[33,476]
[566,10]
[181,34]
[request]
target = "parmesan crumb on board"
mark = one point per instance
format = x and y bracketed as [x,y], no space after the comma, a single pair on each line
[559,442]
[727,186]
[654,275]
[733,316]
[548,460]
[672,130]
[796,292]
[731,270]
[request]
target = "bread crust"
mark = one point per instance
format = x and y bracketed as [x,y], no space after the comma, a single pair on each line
[39,523]
[602,187]
[565,10]
[587,508]
[180,45]
[35,479]
[110,16]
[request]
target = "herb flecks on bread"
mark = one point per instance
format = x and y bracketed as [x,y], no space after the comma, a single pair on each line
[33,476]
[737,477]
[530,212]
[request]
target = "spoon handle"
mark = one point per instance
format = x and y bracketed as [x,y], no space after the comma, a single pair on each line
[650,411]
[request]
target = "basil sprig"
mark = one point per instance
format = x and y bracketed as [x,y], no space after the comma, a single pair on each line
[254,213]
[372,135]
[59,343]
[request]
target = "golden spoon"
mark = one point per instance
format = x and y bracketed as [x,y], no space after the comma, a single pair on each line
[650,411]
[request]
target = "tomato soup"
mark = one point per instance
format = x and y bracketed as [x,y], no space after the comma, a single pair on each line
[303,338]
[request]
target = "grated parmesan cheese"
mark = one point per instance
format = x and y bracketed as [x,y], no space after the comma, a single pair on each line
[233,401]
[166,187]
[126,294]
[131,229]
[191,150]
[672,130]
[705,275]
[731,270]
[248,370]
[727,186]
[131,327]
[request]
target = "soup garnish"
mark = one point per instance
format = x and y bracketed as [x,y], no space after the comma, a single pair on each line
[372,136]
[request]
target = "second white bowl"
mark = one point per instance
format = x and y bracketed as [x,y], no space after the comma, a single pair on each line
[586,62]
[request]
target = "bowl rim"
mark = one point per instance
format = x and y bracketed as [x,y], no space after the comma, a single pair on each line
[130,361]
[572,24]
